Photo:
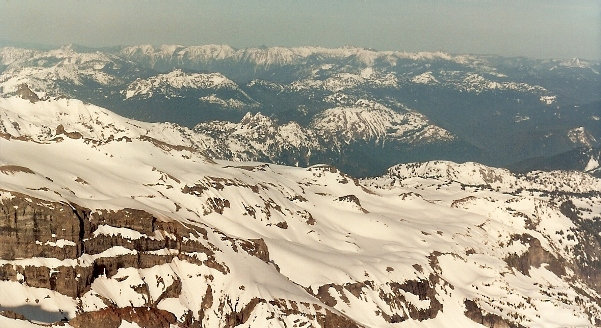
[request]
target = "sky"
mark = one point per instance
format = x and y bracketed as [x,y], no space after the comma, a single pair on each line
[531,28]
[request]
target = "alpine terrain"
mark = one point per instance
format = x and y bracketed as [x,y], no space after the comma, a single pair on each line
[112,222]
[207,186]
[358,109]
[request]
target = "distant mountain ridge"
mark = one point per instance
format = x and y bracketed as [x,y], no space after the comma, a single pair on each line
[580,159]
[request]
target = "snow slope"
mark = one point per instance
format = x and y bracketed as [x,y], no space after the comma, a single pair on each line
[434,244]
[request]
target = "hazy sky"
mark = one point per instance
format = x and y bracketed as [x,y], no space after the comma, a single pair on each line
[534,28]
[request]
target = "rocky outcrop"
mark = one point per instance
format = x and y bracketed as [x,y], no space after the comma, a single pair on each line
[33,228]
[394,294]
[24,92]
[397,301]
[114,317]
[473,311]
[588,249]
[535,256]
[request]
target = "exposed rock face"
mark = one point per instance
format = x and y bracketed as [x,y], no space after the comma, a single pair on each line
[24,92]
[27,227]
[60,129]
[114,317]
[33,228]
[534,257]
[473,312]
[589,248]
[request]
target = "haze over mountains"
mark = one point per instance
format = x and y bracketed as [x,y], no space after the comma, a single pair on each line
[209,186]
[350,102]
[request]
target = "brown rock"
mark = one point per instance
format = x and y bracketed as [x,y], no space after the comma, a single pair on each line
[112,318]
[473,311]
[24,92]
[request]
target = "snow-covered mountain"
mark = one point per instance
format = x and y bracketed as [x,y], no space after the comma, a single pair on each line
[260,138]
[167,55]
[255,138]
[54,120]
[212,88]
[369,121]
[166,84]
[497,110]
[64,69]
[112,222]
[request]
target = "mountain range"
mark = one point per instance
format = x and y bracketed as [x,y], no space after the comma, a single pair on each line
[207,186]
[358,109]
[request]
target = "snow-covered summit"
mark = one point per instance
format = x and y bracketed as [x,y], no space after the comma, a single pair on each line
[424,78]
[367,120]
[177,79]
[55,119]
[580,136]
[49,71]
[479,175]
[575,63]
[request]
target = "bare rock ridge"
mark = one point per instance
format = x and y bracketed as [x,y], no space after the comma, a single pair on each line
[24,92]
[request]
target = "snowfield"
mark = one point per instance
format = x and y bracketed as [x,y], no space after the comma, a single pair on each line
[163,231]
